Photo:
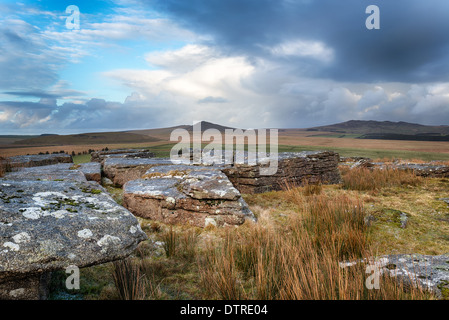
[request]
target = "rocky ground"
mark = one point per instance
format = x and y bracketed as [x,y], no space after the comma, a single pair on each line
[54,213]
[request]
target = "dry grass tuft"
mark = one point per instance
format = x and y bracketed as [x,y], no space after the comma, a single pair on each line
[364,179]
[299,260]
[4,166]
[129,281]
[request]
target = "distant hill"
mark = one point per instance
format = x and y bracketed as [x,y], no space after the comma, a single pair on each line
[387,130]
[351,129]
[134,136]
[164,133]
[86,138]
[370,126]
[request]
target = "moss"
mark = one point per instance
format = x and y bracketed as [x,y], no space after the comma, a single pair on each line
[92,191]
[444,288]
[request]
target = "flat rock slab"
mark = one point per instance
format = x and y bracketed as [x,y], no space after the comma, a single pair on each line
[193,195]
[55,172]
[122,170]
[100,156]
[39,160]
[425,271]
[49,225]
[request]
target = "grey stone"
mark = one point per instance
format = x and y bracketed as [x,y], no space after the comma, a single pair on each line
[91,170]
[39,160]
[100,156]
[403,219]
[431,170]
[49,225]
[62,171]
[122,170]
[294,168]
[193,195]
[424,271]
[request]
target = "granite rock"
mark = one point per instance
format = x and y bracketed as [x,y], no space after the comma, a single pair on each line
[49,225]
[193,195]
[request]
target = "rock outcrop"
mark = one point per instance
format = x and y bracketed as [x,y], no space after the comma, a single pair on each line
[431,170]
[55,172]
[424,271]
[425,170]
[58,172]
[51,218]
[122,170]
[194,195]
[39,160]
[294,168]
[50,225]
[91,170]
[100,156]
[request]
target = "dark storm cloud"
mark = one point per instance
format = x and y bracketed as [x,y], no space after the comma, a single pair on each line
[94,114]
[411,46]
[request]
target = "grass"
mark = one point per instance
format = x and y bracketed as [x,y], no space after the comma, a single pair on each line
[83,158]
[299,260]
[129,281]
[371,153]
[294,250]
[363,179]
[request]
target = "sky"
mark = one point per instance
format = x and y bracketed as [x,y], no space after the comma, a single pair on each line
[242,63]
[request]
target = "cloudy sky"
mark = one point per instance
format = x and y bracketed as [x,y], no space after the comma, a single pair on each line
[243,63]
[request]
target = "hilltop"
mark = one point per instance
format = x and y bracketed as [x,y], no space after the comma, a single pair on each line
[84,139]
[164,133]
[387,130]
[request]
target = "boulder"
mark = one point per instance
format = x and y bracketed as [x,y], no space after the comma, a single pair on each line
[294,168]
[122,170]
[425,271]
[91,170]
[362,163]
[194,195]
[100,156]
[51,225]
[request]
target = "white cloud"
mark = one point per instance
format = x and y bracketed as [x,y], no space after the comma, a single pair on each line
[303,48]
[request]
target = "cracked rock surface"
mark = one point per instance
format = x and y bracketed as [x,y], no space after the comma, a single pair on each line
[50,225]
[193,195]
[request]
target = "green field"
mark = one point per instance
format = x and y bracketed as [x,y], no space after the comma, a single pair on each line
[163,151]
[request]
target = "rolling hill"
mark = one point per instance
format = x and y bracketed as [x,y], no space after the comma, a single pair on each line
[387,130]
[164,133]
[375,127]
[86,139]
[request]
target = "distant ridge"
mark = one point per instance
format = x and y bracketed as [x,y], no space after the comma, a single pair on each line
[209,125]
[86,138]
[164,133]
[388,130]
